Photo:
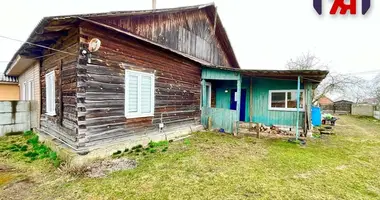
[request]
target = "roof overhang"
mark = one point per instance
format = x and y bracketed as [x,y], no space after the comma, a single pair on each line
[19,65]
[313,76]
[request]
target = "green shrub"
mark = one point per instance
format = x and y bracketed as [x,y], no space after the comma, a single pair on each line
[33,140]
[36,149]
[53,155]
[117,152]
[165,149]
[152,144]
[31,154]
[152,150]
[186,141]
[28,133]
[24,148]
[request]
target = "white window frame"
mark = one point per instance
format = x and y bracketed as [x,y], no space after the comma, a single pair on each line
[24,85]
[209,97]
[30,92]
[50,111]
[286,101]
[138,113]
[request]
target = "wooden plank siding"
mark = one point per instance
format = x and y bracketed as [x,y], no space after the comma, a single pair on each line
[102,93]
[64,124]
[190,32]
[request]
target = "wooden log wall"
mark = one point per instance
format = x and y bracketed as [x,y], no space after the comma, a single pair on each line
[191,32]
[101,82]
[64,124]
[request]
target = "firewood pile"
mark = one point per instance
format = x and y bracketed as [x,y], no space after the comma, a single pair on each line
[274,130]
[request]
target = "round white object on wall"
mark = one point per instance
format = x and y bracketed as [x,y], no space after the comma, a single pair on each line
[94,44]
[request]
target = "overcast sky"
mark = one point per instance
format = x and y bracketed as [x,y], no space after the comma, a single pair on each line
[264,34]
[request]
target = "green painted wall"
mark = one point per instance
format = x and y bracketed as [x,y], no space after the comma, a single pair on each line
[261,87]
[217,74]
[220,118]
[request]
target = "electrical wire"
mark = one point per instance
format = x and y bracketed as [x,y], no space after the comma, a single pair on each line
[50,54]
[38,45]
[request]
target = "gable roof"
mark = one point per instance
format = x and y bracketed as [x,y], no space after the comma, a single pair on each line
[344,101]
[327,98]
[50,29]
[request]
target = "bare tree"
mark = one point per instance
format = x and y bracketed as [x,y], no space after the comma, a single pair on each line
[334,83]
[375,88]
[307,61]
[344,84]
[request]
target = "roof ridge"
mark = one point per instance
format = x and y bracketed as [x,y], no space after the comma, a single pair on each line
[133,12]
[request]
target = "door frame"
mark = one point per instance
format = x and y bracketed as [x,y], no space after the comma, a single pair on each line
[208,92]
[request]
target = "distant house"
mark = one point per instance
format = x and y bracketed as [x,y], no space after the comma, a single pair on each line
[343,107]
[324,101]
[9,89]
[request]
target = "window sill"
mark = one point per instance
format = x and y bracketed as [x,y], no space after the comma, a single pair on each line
[50,114]
[139,116]
[286,109]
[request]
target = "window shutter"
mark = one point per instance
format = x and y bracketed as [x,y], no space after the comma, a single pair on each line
[52,97]
[47,88]
[50,93]
[146,96]
[132,93]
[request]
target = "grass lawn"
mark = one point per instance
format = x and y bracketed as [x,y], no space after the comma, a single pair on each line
[214,166]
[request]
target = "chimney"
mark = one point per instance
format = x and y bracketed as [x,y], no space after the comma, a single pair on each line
[154,4]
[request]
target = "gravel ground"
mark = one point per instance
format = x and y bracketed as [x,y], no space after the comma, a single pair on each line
[101,169]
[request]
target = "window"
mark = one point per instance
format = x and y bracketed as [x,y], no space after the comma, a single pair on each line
[139,94]
[30,90]
[27,91]
[208,95]
[285,100]
[50,93]
[23,96]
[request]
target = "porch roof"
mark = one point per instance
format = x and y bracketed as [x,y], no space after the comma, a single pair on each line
[314,76]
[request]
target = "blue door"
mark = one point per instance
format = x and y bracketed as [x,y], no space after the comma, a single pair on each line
[242,103]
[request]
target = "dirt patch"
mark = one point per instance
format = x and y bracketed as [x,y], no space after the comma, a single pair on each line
[101,169]
[17,190]
[5,168]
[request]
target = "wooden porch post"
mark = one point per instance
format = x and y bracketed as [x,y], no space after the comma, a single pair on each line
[250,103]
[298,106]
[238,95]
[204,120]
[204,94]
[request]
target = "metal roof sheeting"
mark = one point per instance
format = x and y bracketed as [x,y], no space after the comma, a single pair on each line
[8,79]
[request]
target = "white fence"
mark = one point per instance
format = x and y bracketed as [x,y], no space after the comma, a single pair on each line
[366,110]
[362,109]
[14,116]
[376,114]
